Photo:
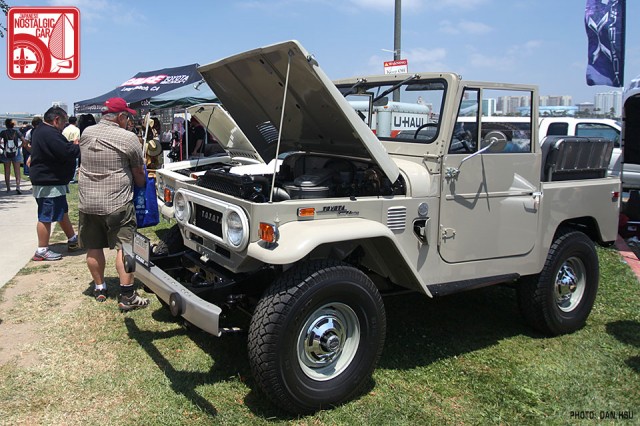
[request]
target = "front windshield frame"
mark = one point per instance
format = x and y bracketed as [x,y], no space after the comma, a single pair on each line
[409,114]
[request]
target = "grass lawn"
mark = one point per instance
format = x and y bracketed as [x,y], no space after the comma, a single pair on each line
[463,359]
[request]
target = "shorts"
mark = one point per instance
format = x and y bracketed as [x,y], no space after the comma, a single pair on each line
[16,159]
[111,230]
[52,209]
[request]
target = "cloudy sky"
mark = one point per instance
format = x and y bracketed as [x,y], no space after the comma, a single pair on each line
[540,42]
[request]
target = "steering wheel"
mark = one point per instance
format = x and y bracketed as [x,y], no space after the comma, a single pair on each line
[415,135]
[465,137]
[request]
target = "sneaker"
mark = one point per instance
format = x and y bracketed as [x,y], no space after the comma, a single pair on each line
[18,191]
[100,295]
[132,302]
[47,255]
[72,245]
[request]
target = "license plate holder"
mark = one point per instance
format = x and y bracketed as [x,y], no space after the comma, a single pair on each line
[141,249]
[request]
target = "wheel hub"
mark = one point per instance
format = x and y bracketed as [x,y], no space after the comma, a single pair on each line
[567,279]
[328,341]
[324,340]
[570,284]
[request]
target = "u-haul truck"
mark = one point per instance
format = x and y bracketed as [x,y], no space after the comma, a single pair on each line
[390,119]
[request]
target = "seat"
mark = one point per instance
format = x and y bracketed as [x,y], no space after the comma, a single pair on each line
[572,158]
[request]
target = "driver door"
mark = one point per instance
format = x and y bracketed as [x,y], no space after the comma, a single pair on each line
[489,202]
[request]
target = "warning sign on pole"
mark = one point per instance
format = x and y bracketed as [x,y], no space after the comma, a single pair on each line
[396,67]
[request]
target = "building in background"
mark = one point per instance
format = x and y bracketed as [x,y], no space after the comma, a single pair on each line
[564,100]
[586,108]
[61,105]
[511,105]
[608,104]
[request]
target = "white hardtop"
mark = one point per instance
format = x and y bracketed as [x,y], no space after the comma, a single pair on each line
[317,118]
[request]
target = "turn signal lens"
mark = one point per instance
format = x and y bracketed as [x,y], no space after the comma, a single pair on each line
[268,232]
[168,196]
[306,212]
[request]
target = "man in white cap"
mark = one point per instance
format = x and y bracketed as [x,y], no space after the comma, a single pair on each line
[111,164]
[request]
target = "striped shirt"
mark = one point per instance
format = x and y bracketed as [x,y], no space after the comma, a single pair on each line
[108,153]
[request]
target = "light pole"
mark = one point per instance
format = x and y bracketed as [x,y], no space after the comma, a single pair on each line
[396,41]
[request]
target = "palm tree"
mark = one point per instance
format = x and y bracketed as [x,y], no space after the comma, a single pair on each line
[5,8]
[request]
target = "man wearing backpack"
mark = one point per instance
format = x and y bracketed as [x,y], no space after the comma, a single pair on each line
[11,141]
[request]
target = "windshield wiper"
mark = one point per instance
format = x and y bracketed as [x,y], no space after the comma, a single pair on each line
[353,88]
[394,87]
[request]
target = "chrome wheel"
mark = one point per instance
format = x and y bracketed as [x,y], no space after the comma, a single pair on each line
[328,341]
[570,284]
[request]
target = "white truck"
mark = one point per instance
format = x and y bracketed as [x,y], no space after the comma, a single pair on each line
[335,217]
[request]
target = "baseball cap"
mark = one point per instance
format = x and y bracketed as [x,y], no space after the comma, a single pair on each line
[116,105]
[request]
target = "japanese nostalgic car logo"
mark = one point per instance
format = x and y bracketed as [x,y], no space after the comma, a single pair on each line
[43,43]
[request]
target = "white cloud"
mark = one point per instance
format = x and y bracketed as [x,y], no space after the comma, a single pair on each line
[464,27]
[526,49]
[509,60]
[478,60]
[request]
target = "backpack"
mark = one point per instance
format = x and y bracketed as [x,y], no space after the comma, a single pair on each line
[11,147]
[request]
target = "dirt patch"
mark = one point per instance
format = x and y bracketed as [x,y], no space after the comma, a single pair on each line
[43,293]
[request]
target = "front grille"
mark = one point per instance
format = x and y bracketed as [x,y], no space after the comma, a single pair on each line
[209,220]
[397,218]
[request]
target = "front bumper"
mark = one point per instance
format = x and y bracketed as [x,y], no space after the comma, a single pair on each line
[181,301]
[165,210]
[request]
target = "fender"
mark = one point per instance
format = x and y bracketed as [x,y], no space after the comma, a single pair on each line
[290,248]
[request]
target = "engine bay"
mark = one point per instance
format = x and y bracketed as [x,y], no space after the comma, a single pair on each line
[302,176]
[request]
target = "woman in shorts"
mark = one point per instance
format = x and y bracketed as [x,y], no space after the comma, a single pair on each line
[11,140]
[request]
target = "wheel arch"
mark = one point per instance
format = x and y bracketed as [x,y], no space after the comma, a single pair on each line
[585,224]
[379,255]
[341,239]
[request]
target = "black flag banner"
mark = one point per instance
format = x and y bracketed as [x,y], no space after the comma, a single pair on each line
[605,25]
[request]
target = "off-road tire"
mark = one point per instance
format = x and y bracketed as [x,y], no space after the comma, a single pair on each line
[170,243]
[315,296]
[539,296]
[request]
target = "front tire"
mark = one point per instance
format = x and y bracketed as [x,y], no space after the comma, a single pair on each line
[559,299]
[316,336]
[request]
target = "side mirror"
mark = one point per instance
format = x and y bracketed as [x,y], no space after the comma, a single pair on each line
[381,102]
[494,141]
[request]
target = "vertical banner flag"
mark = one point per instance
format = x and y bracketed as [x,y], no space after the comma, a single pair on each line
[605,24]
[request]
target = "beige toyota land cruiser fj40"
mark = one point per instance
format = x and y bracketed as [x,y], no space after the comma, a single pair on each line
[342,207]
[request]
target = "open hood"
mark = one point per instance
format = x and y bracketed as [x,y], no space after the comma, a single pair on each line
[226,131]
[317,118]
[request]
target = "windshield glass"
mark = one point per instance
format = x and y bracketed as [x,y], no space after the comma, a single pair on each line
[407,111]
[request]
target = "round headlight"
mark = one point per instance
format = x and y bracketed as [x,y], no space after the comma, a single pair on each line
[180,207]
[235,230]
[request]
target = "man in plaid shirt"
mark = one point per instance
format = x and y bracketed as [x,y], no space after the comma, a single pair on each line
[112,163]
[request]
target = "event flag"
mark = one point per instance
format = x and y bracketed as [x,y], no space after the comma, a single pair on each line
[605,24]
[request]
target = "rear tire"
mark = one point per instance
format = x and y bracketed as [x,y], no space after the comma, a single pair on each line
[316,336]
[559,299]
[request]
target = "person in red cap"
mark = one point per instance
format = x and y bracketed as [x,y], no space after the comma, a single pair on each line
[111,164]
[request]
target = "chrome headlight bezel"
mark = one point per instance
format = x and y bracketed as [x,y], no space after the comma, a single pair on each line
[232,218]
[181,207]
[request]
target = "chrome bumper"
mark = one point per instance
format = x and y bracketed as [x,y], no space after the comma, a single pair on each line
[181,301]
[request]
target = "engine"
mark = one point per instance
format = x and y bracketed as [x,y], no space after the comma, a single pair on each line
[304,176]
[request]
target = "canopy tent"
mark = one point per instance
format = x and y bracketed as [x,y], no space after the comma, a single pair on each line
[144,85]
[184,96]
